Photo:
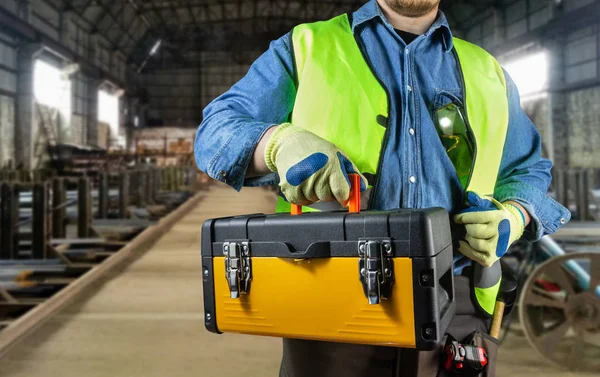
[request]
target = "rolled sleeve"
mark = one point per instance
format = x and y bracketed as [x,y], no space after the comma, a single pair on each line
[524,175]
[234,123]
[547,215]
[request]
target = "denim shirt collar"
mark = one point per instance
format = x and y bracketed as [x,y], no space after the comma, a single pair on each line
[372,10]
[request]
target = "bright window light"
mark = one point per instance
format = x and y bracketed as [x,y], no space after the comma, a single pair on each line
[108,111]
[48,85]
[530,74]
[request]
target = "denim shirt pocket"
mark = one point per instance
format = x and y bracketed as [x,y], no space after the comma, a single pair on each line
[444,97]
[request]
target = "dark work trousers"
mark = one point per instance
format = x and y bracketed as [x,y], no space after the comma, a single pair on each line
[302,358]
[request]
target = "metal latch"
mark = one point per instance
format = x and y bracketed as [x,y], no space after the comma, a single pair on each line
[238,269]
[376,269]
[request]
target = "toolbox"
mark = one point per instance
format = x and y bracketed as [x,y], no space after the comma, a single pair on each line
[372,277]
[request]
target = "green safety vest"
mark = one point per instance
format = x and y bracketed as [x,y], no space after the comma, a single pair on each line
[340,99]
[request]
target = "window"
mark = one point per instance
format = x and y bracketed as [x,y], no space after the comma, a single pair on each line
[530,74]
[108,112]
[49,87]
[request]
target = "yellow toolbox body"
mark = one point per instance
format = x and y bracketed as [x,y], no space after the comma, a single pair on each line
[376,277]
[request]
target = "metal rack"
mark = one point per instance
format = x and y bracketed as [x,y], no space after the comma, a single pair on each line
[55,230]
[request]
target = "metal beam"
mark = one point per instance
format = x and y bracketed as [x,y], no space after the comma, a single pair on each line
[136,8]
[69,5]
[174,12]
[106,11]
[94,24]
[6,93]
[344,6]
[10,21]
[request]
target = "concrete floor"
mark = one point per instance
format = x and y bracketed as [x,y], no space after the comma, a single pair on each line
[148,320]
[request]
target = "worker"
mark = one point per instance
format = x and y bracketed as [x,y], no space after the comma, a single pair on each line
[425,118]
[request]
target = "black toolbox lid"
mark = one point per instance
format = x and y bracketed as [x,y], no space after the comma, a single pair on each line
[414,233]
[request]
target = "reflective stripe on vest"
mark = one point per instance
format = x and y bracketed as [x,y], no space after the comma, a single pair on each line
[340,99]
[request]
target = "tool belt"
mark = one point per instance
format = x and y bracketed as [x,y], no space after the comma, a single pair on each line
[376,277]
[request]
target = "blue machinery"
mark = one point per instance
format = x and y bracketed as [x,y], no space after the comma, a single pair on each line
[553,249]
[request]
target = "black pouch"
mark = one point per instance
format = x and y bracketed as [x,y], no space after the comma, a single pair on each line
[429,363]
[490,345]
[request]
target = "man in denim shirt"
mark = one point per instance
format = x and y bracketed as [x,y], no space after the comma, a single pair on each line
[246,139]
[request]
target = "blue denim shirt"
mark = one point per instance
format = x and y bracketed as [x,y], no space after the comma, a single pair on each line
[420,78]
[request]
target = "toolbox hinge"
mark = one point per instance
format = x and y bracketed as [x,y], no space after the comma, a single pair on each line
[238,268]
[376,269]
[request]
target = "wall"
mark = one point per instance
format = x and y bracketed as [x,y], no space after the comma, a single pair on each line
[583,114]
[78,130]
[155,138]
[8,64]
[568,118]
[8,87]
[80,103]
[582,55]
[495,28]
[538,112]
[172,97]
[177,97]
[491,26]
[7,130]
[73,32]
[219,73]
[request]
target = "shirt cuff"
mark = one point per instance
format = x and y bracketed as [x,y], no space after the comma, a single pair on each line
[547,215]
[230,163]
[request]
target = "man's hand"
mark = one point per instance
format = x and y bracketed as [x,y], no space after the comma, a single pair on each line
[310,168]
[491,228]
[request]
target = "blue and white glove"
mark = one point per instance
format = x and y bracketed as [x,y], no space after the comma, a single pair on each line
[491,228]
[310,168]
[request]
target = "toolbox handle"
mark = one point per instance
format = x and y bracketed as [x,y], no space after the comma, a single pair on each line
[353,200]
[320,249]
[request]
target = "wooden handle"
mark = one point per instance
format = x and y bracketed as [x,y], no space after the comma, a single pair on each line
[497,319]
[353,201]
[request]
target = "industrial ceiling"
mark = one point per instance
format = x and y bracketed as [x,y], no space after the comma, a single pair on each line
[186,27]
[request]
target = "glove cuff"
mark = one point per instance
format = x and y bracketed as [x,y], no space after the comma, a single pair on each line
[518,217]
[281,133]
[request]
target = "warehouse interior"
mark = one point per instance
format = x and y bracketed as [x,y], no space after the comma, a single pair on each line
[102,204]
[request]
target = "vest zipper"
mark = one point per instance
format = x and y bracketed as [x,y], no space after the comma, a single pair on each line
[467,123]
[387,122]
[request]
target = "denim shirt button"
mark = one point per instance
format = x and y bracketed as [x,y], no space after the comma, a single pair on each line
[409,88]
[563,220]
[412,179]
[411,131]
[223,173]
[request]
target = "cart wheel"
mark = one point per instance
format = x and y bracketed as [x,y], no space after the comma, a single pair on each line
[561,319]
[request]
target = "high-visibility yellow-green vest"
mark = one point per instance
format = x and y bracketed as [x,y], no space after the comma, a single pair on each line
[340,99]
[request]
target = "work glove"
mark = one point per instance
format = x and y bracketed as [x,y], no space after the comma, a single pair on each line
[491,228]
[310,168]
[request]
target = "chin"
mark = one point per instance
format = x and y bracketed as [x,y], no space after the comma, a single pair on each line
[413,8]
